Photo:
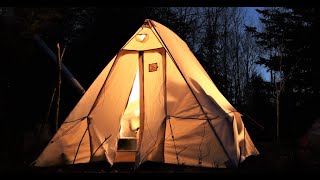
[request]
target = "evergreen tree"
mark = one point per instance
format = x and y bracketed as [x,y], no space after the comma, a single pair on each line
[288,39]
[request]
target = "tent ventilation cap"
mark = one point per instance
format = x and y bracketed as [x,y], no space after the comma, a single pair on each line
[143,37]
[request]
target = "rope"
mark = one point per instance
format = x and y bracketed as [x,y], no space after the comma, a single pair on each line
[74,120]
[65,132]
[175,148]
[157,145]
[252,120]
[195,118]
[80,144]
[200,154]
[106,138]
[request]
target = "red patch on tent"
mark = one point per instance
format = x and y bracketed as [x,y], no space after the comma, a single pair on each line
[153,67]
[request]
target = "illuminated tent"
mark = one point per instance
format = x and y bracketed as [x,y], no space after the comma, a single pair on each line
[155,101]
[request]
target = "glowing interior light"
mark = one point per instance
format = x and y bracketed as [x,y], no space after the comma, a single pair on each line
[141,37]
[130,120]
[137,112]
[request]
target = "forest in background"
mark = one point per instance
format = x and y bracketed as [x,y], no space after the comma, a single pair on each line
[230,48]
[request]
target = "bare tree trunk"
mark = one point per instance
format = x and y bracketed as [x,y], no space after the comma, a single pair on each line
[48,115]
[56,119]
[236,38]
[71,79]
[225,48]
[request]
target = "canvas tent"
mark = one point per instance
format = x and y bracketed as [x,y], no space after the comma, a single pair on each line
[155,96]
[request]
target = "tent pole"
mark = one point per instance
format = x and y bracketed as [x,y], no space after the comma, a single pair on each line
[141,74]
[90,138]
[164,61]
[141,83]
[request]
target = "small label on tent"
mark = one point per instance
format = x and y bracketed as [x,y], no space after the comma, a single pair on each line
[153,67]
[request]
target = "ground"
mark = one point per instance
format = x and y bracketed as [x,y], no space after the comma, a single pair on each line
[292,158]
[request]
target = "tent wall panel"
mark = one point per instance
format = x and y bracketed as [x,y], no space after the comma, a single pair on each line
[154,107]
[193,144]
[111,103]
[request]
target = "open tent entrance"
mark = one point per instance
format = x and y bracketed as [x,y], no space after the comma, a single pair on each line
[130,121]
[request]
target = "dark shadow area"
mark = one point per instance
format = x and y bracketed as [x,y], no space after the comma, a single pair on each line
[29,76]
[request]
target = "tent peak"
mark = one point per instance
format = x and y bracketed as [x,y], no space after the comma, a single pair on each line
[148,23]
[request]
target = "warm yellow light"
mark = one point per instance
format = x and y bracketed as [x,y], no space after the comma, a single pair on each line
[130,120]
[141,37]
[137,113]
[135,92]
